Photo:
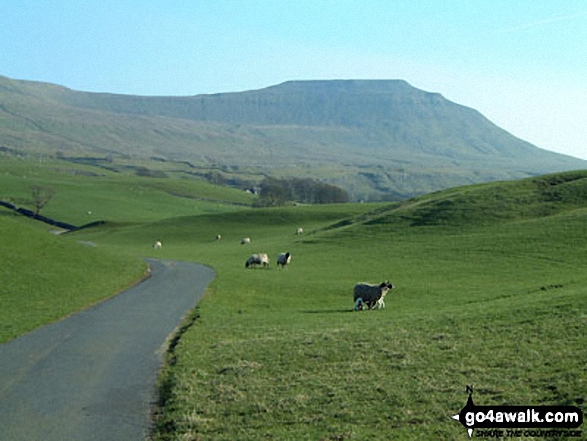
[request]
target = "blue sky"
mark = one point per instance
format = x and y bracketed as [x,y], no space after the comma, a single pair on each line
[522,63]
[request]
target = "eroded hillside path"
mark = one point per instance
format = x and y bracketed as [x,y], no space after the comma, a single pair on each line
[92,376]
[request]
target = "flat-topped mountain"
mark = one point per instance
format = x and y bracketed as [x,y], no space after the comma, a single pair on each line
[376,138]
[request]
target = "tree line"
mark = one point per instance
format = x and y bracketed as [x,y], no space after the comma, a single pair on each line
[275,192]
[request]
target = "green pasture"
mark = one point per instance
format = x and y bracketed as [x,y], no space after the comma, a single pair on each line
[495,299]
[490,291]
[85,194]
[44,277]
[279,354]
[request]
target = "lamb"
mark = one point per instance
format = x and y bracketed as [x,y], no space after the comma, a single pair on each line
[256,260]
[157,245]
[371,295]
[245,241]
[283,259]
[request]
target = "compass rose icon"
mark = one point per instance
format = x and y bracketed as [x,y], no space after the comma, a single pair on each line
[460,417]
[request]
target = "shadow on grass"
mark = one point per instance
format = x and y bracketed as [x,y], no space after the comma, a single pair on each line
[327,311]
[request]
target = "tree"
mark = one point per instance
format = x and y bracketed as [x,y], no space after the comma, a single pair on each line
[273,193]
[276,192]
[41,195]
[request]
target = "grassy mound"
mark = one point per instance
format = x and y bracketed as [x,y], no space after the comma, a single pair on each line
[494,202]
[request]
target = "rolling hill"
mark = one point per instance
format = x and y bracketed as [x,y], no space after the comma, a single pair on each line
[490,291]
[377,139]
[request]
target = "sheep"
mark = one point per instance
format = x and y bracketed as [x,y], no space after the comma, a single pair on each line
[371,295]
[299,231]
[218,237]
[157,245]
[245,241]
[283,259]
[257,259]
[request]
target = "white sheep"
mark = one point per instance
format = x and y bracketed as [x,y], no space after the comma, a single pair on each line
[245,241]
[283,259]
[218,237]
[371,295]
[157,245]
[299,231]
[256,260]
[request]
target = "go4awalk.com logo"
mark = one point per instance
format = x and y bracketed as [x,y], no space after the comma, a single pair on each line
[520,421]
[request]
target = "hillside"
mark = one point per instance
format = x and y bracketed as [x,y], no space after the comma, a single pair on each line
[84,194]
[491,203]
[377,139]
[489,290]
[46,277]
[490,287]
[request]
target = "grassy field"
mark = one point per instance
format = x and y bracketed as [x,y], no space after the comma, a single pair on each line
[85,194]
[490,291]
[44,277]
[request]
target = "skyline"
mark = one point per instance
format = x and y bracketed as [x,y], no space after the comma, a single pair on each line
[521,64]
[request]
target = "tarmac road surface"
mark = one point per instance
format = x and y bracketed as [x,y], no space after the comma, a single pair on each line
[92,375]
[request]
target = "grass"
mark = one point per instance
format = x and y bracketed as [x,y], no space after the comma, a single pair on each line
[500,307]
[490,291]
[85,194]
[278,354]
[44,278]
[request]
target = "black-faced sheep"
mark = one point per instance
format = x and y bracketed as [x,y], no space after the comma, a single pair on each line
[371,295]
[218,237]
[283,259]
[256,260]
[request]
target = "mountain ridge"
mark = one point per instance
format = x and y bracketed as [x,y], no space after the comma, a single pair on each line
[383,124]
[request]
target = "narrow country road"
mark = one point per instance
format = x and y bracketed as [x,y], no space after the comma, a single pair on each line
[92,376]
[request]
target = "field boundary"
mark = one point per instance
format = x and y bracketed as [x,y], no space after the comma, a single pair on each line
[66,226]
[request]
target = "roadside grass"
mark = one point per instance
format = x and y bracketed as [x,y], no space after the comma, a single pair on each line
[279,354]
[44,278]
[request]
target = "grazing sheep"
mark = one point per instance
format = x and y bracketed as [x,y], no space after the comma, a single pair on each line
[371,295]
[218,237]
[245,241]
[157,245]
[256,260]
[283,259]
[299,231]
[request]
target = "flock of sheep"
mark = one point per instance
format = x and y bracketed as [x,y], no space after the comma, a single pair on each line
[261,259]
[365,294]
